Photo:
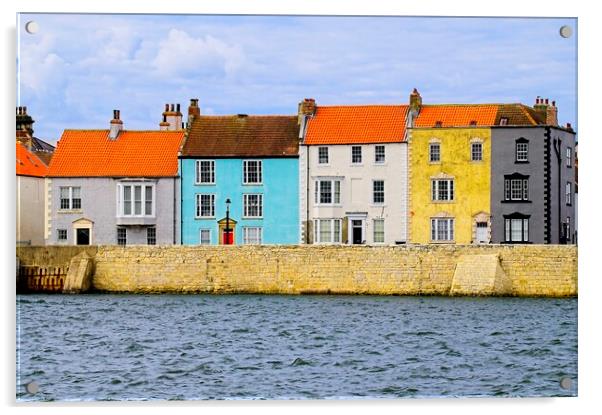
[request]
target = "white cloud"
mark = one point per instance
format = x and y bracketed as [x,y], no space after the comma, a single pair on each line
[181,54]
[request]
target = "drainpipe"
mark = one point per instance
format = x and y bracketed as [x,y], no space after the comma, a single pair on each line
[307,198]
[174,210]
[181,203]
[557,147]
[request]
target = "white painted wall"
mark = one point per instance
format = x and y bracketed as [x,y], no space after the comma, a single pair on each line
[30,210]
[356,187]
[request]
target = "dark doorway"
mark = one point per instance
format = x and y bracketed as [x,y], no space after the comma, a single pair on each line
[82,236]
[356,226]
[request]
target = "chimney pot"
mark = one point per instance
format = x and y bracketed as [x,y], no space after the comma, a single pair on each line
[547,101]
[166,107]
[172,108]
[553,103]
[178,107]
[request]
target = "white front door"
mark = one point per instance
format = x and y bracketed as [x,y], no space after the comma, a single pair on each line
[482,233]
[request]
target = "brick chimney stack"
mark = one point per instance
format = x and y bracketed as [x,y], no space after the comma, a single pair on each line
[307,108]
[548,111]
[24,121]
[115,126]
[172,118]
[415,107]
[193,110]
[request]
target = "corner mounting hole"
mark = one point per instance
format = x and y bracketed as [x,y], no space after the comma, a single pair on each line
[566,31]
[32,27]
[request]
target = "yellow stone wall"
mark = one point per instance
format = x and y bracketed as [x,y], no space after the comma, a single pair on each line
[471,180]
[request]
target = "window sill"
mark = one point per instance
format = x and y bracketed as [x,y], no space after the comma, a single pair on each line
[521,162]
[323,164]
[205,184]
[204,217]
[68,211]
[516,201]
[443,201]
[377,205]
[434,162]
[328,205]
[356,165]
[252,217]
[443,242]
[253,184]
[379,164]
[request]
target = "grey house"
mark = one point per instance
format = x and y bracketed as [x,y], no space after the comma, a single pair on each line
[532,176]
[115,186]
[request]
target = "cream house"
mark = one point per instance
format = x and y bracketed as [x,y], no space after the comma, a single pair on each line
[353,174]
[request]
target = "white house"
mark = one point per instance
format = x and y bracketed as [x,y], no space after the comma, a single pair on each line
[353,174]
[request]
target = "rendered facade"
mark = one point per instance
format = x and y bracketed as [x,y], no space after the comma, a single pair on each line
[250,161]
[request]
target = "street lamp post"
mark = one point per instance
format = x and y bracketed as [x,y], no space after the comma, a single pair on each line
[227,230]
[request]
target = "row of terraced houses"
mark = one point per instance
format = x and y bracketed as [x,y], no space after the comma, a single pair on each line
[348,174]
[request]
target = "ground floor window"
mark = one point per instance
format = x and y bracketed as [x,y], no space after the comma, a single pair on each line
[516,229]
[151,236]
[442,229]
[327,231]
[205,237]
[62,235]
[121,236]
[252,235]
[379,230]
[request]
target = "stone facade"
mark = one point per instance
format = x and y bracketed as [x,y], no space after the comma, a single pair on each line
[528,270]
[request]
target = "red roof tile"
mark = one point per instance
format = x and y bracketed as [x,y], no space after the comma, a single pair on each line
[456,115]
[357,124]
[90,153]
[28,164]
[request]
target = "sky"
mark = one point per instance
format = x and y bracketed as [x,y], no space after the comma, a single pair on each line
[77,68]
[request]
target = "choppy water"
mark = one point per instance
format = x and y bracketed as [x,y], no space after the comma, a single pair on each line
[116,347]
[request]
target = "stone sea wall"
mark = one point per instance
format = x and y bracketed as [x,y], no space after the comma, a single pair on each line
[518,270]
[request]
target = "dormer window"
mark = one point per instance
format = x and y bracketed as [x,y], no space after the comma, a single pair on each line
[473,123]
[438,124]
[504,121]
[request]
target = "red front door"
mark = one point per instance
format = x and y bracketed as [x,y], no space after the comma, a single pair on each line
[227,237]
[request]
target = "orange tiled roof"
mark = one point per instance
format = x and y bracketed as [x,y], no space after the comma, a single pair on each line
[28,164]
[90,153]
[357,124]
[457,115]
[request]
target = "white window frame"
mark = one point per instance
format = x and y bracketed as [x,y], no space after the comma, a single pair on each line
[509,227]
[568,194]
[320,162]
[197,206]
[472,151]
[451,193]
[374,230]
[245,172]
[569,157]
[334,195]
[357,163]
[384,154]
[121,199]
[204,241]
[334,234]
[257,239]
[374,202]
[523,153]
[211,172]
[58,235]
[431,146]
[70,198]
[246,205]
[450,232]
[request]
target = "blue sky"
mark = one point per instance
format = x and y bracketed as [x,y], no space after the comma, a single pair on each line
[77,68]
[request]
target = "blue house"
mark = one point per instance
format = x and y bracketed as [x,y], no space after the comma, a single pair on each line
[240,180]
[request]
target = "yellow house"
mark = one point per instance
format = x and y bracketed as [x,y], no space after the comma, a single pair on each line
[449,152]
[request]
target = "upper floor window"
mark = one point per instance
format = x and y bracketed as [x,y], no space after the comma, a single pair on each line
[569,156]
[379,154]
[322,155]
[442,189]
[70,197]
[356,154]
[378,192]
[522,150]
[205,205]
[569,193]
[252,172]
[516,187]
[476,151]
[205,172]
[434,152]
[327,192]
[137,199]
[253,205]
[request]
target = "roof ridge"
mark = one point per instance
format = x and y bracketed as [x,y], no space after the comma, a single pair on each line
[362,105]
[247,115]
